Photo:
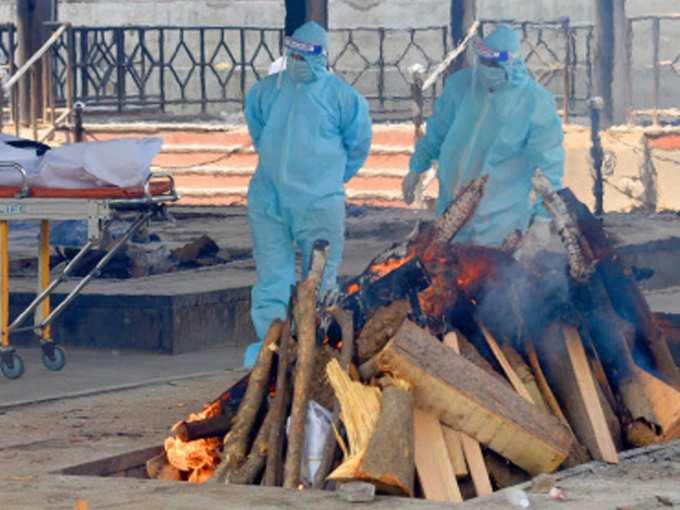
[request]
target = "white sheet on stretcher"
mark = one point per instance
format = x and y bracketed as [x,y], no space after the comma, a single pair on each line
[123,162]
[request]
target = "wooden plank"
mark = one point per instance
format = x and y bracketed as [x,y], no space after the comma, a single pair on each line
[505,364]
[526,375]
[543,385]
[466,398]
[471,448]
[455,449]
[586,386]
[436,474]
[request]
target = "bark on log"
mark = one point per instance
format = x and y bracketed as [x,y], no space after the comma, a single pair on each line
[273,475]
[468,399]
[330,448]
[380,328]
[236,441]
[217,426]
[254,464]
[305,319]
[388,462]
[158,468]
[503,473]
[624,293]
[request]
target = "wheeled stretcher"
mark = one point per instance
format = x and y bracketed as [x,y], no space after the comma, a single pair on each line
[100,207]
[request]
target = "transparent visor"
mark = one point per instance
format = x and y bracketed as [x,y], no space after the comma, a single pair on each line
[486,53]
[303,47]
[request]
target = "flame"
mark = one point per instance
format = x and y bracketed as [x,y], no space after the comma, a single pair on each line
[382,268]
[352,289]
[198,457]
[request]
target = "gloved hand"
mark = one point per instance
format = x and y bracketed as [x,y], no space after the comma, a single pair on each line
[408,186]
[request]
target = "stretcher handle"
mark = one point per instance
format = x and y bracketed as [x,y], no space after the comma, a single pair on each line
[147,185]
[24,177]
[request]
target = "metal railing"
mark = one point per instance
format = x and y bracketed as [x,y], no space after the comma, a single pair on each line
[655,84]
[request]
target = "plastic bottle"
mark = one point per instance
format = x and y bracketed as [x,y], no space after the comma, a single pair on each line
[518,498]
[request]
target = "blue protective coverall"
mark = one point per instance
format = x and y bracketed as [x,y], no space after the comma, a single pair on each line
[506,132]
[312,132]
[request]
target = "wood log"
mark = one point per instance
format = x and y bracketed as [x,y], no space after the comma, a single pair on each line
[435,472]
[158,468]
[380,328]
[273,474]
[470,353]
[369,369]
[345,321]
[577,452]
[505,364]
[666,402]
[389,459]
[454,447]
[305,319]
[525,375]
[587,388]
[670,328]
[217,426]
[236,441]
[468,399]
[471,449]
[553,355]
[255,463]
[628,300]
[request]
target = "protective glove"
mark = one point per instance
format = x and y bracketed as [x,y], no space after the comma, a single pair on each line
[408,186]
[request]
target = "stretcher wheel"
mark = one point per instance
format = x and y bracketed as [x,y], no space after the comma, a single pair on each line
[12,366]
[56,361]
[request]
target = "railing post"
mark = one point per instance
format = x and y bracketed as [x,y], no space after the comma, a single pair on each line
[656,31]
[243,66]
[34,101]
[70,63]
[78,122]
[161,66]
[45,86]
[567,75]
[417,103]
[204,99]
[381,66]
[120,66]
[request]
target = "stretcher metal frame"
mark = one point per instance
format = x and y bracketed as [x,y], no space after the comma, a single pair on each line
[99,213]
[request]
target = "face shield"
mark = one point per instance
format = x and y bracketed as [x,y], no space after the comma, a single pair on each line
[491,65]
[301,58]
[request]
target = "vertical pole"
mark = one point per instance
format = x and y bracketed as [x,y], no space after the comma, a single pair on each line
[417,99]
[161,64]
[70,70]
[13,93]
[629,72]
[43,309]
[78,122]
[120,66]
[4,276]
[45,87]
[381,67]
[656,30]
[603,57]
[34,102]
[202,70]
[596,152]
[243,66]
[317,10]
[567,63]
[462,14]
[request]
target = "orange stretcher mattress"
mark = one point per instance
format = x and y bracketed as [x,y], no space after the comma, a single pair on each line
[155,187]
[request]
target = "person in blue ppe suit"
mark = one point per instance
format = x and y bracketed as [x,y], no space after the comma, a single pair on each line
[312,132]
[492,118]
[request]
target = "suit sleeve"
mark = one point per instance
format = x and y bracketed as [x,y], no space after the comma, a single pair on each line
[429,146]
[356,132]
[254,113]
[544,146]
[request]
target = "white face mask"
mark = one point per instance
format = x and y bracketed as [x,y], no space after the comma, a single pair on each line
[492,77]
[300,70]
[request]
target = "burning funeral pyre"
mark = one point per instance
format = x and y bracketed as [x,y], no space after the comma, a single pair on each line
[446,370]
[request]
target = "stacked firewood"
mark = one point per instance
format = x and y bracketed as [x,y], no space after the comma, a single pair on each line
[452,370]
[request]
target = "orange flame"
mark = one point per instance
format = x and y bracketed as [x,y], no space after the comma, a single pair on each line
[198,457]
[352,289]
[382,268]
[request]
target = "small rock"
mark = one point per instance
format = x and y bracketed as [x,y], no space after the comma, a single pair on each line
[356,492]
[543,483]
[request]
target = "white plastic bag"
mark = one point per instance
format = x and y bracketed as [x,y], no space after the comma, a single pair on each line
[317,429]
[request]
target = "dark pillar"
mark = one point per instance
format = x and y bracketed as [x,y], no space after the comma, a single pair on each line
[463,14]
[295,15]
[611,60]
[31,34]
[317,10]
